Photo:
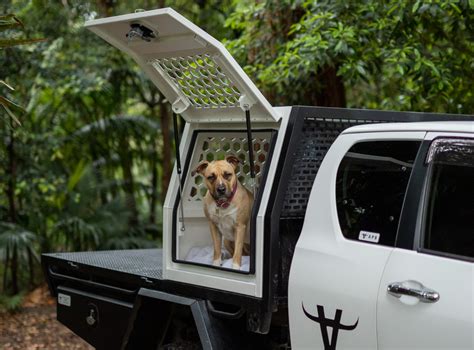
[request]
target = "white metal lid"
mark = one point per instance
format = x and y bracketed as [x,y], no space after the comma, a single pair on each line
[192,69]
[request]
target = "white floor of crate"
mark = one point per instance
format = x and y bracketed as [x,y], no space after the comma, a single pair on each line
[204,255]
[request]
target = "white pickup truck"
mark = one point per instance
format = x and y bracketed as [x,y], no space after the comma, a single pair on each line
[361,234]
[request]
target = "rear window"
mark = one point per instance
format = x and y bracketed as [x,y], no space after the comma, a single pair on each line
[370,188]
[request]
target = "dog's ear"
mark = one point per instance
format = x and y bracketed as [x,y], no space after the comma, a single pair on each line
[233,160]
[200,168]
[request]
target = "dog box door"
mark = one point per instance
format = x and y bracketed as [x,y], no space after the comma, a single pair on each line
[192,69]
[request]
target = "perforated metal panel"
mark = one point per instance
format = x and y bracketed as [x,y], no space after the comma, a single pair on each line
[193,70]
[317,136]
[216,146]
[201,79]
[139,262]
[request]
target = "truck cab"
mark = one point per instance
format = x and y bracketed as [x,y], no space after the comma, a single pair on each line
[388,237]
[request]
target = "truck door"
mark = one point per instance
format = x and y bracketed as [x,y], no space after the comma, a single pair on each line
[347,237]
[426,293]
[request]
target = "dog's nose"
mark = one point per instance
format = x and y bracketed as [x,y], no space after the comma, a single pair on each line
[221,189]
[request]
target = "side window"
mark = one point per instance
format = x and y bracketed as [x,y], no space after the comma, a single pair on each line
[449,212]
[371,183]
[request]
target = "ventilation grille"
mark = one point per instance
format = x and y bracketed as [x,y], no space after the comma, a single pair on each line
[201,80]
[216,146]
[317,136]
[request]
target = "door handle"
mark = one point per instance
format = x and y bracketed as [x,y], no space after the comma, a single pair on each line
[425,295]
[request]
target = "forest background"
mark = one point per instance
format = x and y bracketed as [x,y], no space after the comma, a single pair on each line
[86,146]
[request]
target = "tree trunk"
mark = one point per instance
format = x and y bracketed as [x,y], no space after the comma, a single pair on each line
[166,152]
[128,181]
[331,92]
[97,169]
[12,174]
[5,271]
[14,270]
[31,267]
[11,202]
[105,7]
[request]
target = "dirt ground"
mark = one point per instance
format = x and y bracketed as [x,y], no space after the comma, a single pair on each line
[35,326]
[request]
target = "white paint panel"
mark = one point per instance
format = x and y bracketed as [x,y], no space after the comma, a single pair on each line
[409,324]
[331,271]
[192,69]
[444,126]
[209,277]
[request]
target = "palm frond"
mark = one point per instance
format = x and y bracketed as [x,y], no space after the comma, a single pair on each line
[11,303]
[8,106]
[4,83]
[14,236]
[78,234]
[9,21]
[121,124]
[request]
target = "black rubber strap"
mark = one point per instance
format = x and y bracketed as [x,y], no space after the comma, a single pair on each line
[250,143]
[176,142]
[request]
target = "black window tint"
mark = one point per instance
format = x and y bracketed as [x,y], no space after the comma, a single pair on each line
[449,223]
[370,188]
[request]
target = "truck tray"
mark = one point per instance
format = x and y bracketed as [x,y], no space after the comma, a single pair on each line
[127,270]
[140,262]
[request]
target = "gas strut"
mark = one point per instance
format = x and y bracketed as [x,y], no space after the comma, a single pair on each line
[250,146]
[178,168]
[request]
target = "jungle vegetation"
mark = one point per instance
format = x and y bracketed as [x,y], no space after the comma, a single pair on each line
[86,146]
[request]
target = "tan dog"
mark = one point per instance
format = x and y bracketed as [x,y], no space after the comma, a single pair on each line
[228,206]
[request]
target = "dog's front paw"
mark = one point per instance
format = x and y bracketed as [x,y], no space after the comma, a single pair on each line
[236,266]
[217,262]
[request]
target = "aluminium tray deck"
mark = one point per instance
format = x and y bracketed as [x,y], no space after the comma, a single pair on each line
[127,269]
[140,262]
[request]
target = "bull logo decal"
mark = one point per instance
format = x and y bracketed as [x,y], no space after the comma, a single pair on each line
[324,323]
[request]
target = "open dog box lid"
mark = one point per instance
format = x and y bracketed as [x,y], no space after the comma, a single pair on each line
[192,69]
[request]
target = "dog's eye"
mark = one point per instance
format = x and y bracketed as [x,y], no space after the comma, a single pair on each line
[211,177]
[227,176]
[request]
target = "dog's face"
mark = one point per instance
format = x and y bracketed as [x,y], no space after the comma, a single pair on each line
[219,176]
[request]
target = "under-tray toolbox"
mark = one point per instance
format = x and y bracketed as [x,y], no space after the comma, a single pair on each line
[101,321]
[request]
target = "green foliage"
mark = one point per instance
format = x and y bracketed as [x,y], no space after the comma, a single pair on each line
[11,303]
[396,55]
[15,237]
[86,165]
[7,23]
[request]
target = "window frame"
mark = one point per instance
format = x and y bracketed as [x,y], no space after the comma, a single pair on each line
[419,157]
[424,204]
[255,208]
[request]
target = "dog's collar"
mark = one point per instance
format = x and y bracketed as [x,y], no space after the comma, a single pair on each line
[225,202]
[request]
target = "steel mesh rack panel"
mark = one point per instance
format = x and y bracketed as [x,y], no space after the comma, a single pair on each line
[320,127]
[317,136]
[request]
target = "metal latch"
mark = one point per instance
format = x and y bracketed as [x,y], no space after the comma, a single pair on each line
[138,30]
[91,320]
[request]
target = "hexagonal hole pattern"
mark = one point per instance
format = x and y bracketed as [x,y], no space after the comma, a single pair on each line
[216,146]
[200,79]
